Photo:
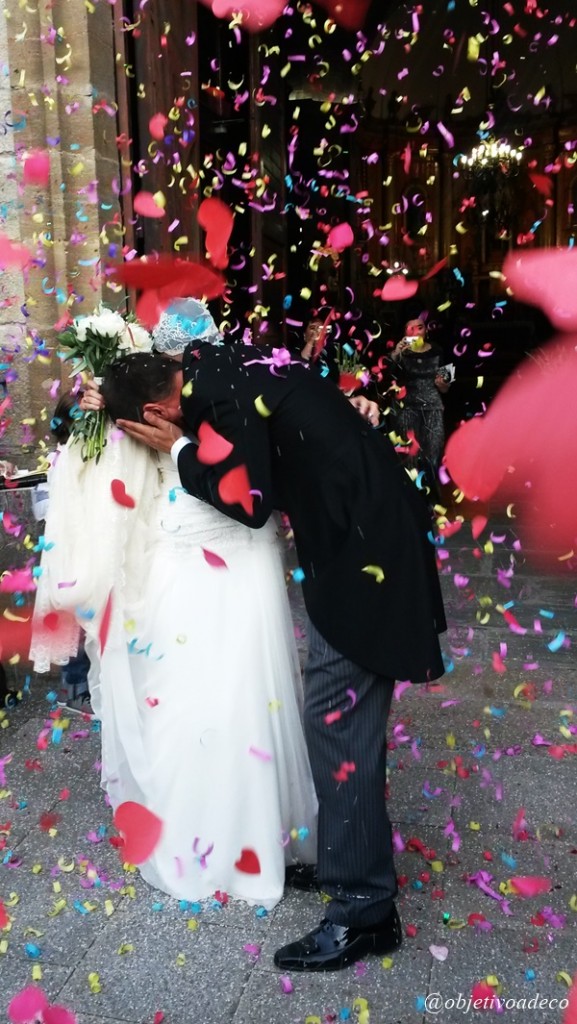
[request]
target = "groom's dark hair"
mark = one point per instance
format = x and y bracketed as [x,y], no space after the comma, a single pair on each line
[136,379]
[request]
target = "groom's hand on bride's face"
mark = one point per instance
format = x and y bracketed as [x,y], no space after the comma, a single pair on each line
[156,431]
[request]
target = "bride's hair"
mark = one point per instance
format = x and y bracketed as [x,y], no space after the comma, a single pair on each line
[133,381]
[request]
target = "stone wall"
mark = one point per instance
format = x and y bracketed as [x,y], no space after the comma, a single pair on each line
[59,87]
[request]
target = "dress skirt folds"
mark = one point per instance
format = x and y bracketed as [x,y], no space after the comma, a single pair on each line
[198,690]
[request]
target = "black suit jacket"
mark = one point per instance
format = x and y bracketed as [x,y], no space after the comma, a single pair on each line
[360,527]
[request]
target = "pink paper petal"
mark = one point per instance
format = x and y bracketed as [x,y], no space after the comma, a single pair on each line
[58,1015]
[156,126]
[215,560]
[256,14]
[37,168]
[340,237]
[145,204]
[545,278]
[28,1004]
[530,885]
[439,952]
[12,254]
[398,288]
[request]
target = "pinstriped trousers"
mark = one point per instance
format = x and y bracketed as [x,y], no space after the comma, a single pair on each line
[348,758]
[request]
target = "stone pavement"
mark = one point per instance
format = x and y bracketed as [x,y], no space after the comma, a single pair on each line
[482,789]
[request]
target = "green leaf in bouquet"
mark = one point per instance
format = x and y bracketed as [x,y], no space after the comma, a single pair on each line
[78,367]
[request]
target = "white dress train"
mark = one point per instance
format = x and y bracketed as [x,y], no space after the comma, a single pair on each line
[198,690]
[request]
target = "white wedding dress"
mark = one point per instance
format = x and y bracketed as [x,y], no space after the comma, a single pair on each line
[198,690]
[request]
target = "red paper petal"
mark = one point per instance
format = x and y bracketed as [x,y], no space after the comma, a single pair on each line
[234,489]
[435,269]
[340,237]
[478,524]
[213,447]
[349,382]
[542,183]
[350,15]
[398,288]
[4,918]
[27,1005]
[484,994]
[119,494]
[193,278]
[145,204]
[105,624]
[248,863]
[149,309]
[140,829]
[217,220]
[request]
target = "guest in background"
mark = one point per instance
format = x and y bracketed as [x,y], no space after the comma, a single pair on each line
[318,349]
[74,694]
[420,414]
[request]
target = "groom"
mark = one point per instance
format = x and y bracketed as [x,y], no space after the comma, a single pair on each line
[275,436]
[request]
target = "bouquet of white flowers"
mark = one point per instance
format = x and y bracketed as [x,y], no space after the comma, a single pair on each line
[93,343]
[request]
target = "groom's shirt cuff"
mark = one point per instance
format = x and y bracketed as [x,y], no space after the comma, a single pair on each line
[178,446]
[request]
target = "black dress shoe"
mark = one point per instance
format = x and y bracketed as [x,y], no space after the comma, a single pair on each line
[302,876]
[333,946]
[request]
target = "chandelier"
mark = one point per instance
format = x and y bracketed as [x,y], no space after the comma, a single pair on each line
[492,157]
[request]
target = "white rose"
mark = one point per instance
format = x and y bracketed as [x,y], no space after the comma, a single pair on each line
[80,327]
[108,324]
[135,338]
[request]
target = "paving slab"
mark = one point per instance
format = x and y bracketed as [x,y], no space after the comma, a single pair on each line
[216,964]
[501,957]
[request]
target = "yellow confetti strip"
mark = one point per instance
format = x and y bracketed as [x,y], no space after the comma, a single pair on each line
[565,977]
[94,983]
[361,1008]
[180,959]
[494,982]
[387,963]
[376,571]
[66,866]
[36,973]
[260,407]
[57,907]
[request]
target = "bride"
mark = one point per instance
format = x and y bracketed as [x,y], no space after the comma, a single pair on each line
[194,668]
